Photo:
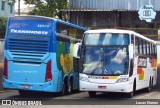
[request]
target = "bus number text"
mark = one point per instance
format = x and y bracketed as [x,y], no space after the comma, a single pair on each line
[142,62]
[43,26]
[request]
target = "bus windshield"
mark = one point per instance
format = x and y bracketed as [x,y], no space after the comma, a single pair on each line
[106,39]
[110,60]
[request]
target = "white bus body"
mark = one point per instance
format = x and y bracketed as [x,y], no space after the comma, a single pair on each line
[131,58]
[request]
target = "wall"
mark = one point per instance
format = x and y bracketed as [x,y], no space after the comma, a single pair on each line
[112,4]
[6,11]
[116,19]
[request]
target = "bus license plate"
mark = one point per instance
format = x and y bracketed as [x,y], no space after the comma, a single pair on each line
[102,87]
[25,86]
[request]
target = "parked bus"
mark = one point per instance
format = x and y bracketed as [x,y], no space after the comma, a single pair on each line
[38,55]
[113,60]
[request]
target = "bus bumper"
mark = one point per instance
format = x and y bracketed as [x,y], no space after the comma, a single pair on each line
[44,87]
[123,87]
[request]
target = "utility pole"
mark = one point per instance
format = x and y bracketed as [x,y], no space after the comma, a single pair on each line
[19,7]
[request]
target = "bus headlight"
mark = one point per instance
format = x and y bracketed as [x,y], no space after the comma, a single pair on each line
[122,80]
[84,79]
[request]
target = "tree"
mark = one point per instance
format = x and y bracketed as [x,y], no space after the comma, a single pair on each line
[49,8]
[11,2]
[3,23]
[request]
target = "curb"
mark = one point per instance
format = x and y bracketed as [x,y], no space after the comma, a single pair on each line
[4,91]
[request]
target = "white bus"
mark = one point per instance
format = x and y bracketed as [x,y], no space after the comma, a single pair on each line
[113,60]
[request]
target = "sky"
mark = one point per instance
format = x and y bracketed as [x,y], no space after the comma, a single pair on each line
[21,6]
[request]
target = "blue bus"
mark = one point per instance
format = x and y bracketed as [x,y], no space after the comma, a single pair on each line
[38,55]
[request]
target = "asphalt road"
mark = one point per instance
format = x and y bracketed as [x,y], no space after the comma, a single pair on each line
[83,98]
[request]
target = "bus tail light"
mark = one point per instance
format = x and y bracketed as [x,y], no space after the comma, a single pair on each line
[48,72]
[5,73]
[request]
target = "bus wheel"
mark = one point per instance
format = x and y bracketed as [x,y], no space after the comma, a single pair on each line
[92,94]
[150,86]
[131,94]
[70,87]
[24,93]
[64,89]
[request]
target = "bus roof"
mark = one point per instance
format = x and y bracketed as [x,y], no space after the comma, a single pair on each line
[108,31]
[73,25]
[45,18]
[120,31]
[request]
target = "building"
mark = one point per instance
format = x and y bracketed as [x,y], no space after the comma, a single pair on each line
[6,8]
[114,14]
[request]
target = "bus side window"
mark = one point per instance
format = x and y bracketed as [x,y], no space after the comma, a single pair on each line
[69,31]
[155,50]
[132,39]
[140,46]
[144,47]
[149,48]
[62,38]
[136,46]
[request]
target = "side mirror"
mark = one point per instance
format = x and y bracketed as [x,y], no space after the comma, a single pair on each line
[131,51]
[76,51]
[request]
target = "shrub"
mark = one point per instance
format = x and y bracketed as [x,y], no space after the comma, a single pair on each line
[3,23]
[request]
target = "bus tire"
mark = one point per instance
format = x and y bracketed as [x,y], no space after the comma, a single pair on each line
[92,94]
[24,93]
[70,87]
[131,94]
[64,88]
[21,92]
[148,89]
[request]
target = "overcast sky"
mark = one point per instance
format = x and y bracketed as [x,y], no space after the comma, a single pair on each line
[21,6]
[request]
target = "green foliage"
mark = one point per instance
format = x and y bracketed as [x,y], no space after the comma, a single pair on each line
[49,8]
[3,23]
[11,2]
